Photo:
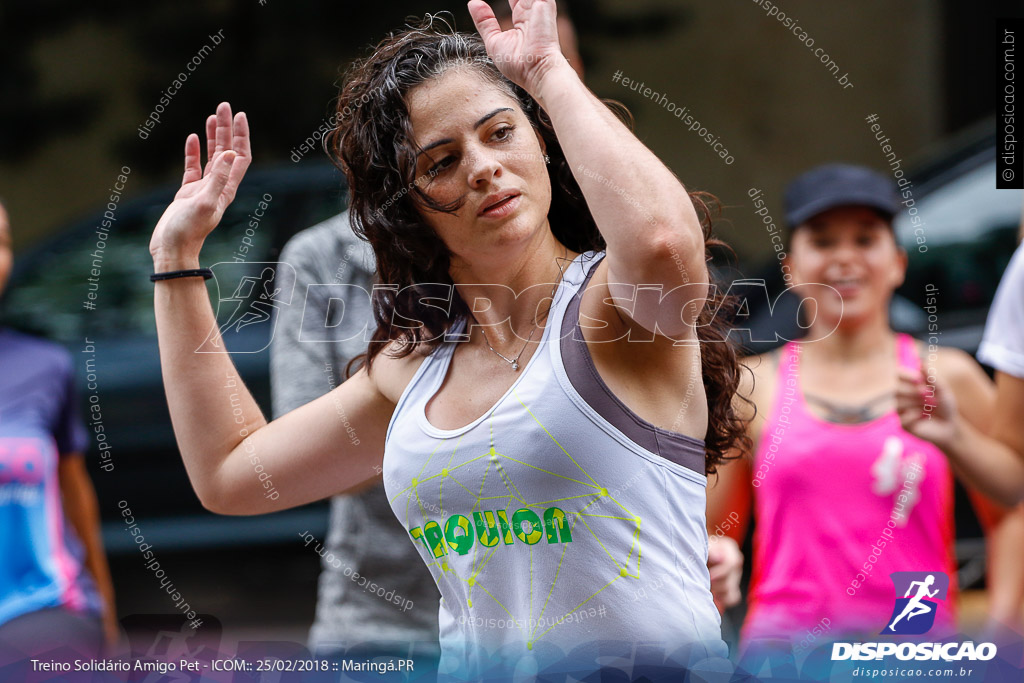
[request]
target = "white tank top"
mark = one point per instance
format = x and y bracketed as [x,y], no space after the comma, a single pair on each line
[558,518]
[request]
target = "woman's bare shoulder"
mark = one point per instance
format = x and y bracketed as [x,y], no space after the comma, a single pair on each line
[392,373]
[956,366]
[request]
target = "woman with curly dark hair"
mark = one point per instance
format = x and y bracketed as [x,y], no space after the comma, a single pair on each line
[549,382]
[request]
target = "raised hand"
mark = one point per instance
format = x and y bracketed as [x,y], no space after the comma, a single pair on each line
[205,193]
[529,50]
[926,416]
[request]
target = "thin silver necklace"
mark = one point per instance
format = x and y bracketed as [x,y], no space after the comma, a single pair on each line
[514,362]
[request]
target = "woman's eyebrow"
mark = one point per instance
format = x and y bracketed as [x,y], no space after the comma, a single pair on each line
[487,117]
[484,119]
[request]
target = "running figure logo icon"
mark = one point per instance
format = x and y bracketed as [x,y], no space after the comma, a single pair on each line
[915,611]
[245,317]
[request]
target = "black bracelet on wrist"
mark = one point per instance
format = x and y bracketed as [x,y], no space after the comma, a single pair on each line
[205,273]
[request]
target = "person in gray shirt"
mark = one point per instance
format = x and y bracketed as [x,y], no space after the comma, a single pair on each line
[373,586]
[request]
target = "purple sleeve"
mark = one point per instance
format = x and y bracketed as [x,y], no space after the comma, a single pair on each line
[68,429]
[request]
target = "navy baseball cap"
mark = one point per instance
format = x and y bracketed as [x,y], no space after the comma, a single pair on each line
[831,185]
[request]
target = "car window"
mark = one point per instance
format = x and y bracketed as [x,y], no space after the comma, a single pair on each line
[49,294]
[968,230]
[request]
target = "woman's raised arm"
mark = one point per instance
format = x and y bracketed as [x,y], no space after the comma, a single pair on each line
[654,235]
[236,461]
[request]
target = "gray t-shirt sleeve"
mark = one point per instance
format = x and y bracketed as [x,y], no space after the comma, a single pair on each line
[296,370]
[326,323]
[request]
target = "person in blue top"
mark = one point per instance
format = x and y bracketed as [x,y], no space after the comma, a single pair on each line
[55,587]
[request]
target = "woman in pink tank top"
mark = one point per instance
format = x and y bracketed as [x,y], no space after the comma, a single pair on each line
[843,496]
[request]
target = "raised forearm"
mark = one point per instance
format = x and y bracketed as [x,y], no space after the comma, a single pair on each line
[634,198]
[210,407]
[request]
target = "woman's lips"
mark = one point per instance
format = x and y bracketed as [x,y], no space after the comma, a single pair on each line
[501,209]
[846,288]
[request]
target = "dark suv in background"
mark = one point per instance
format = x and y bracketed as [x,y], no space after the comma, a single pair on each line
[47,295]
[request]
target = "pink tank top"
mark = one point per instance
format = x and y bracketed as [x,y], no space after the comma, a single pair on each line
[838,508]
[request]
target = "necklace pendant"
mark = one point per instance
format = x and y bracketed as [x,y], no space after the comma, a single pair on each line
[515,365]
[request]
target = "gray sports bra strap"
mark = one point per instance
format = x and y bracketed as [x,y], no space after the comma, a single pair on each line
[579,366]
